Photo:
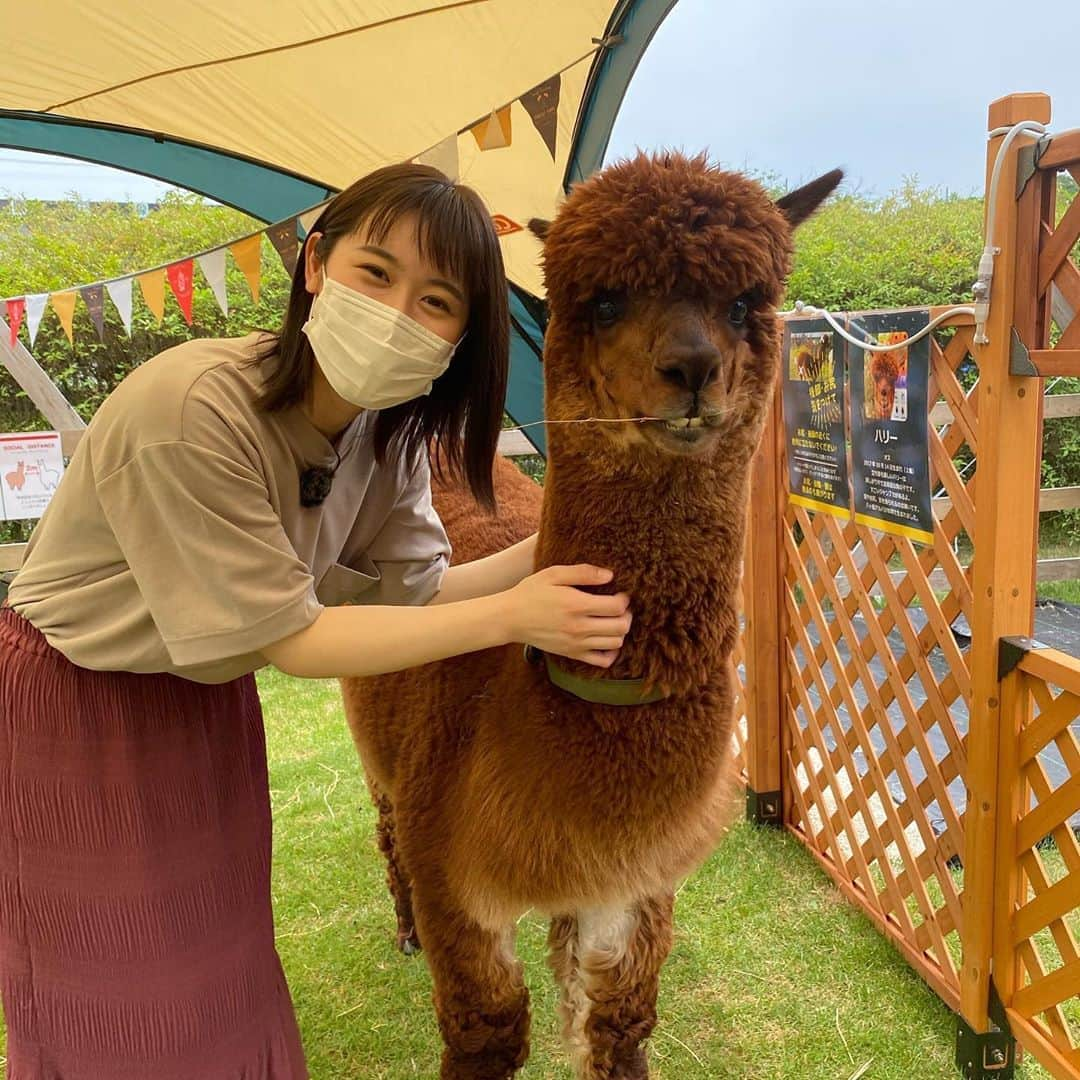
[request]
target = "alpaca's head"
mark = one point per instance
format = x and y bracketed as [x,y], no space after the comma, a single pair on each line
[884,370]
[663,274]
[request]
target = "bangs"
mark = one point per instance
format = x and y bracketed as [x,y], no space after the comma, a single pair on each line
[453,229]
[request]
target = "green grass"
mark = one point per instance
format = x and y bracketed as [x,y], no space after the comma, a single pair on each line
[772,976]
[1068,591]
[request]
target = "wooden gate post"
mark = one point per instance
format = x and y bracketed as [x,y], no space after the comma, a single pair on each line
[763,612]
[1006,547]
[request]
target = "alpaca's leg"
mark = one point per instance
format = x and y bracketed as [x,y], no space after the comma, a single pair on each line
[400,889]
[608,964]
[480,996]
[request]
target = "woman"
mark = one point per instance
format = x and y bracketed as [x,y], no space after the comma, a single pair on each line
[236,503]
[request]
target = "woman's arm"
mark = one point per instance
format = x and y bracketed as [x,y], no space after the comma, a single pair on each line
[493,574]
[545,610]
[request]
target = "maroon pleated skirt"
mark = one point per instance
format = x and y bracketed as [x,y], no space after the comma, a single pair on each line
[136,930]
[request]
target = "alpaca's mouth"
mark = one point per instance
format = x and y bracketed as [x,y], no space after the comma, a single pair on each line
[684,422]
[686,431]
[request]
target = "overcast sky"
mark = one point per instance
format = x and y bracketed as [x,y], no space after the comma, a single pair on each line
[885,89]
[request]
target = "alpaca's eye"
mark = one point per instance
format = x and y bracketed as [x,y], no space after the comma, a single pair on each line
[607,308]
[738,311]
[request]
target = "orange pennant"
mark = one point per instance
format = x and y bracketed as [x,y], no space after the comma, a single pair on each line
[248,256]
[64,305]
[152,284]
[493,132]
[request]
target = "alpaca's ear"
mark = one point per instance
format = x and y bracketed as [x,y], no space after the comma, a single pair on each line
[539,227]
[798,205]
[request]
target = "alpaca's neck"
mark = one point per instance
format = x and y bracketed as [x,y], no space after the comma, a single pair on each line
[675,544]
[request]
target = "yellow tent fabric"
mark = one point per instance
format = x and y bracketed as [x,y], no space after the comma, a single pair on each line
[334,89]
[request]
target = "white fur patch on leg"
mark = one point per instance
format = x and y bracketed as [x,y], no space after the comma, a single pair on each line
[600,941]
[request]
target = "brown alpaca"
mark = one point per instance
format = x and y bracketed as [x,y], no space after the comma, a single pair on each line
[508,793]
[884,370]
[473,534]
[17,477]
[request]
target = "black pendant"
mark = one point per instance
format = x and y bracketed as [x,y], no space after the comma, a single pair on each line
[315,484]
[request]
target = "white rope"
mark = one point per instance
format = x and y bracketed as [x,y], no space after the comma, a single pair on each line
[808,309]
[981,288]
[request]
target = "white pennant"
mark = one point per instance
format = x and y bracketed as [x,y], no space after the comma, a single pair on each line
[35,308]
[444,157]
[309,217]
[213,268]
[120,293]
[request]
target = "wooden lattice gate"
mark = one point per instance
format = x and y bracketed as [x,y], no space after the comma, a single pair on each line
[883,728]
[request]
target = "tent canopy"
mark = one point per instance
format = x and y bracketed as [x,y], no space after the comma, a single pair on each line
[269,107]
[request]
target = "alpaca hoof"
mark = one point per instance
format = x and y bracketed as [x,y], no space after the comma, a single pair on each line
[408,942]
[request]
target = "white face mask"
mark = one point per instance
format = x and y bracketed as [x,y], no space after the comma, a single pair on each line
[373,355]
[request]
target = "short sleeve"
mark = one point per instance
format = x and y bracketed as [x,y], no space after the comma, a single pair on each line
[411,551]
[208,552]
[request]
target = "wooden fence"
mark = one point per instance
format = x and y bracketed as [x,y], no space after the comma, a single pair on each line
[883,729]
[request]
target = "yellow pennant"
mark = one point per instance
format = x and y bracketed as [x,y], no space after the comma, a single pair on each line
[152,284]
[64,305]
[493,132]
[248,256]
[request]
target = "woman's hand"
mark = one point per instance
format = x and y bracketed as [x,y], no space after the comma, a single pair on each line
[547,610]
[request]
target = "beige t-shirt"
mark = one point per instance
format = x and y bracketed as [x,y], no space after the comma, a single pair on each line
[176,540]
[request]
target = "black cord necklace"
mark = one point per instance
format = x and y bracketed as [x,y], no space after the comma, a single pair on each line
[316,481]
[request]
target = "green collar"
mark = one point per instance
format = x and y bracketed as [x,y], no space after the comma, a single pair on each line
[595,691]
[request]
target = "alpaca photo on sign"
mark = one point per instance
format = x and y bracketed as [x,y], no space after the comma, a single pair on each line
[49,477]
[16,479]
[510,780]
[810,361]
[885,379]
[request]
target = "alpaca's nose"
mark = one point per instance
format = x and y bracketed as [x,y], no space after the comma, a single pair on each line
[692,367]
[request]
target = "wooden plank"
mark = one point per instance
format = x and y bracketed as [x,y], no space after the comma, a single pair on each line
[1058,569]
[1056,247]
[41,390]
[1050,363]
[1039,912]
[1053,989]
[1006,519]
[1061,151]
[1066,498]
[11,556]
[1008,877]
[1053,667]
[514,444]
[762,585]
[1056,406]
[1060,308]
[1035,1040]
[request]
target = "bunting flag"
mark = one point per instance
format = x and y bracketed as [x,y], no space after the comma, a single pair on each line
[120,293]
[283,237]
[504,226]
[35,309]
[64,305]
[308,218]
[248,256]
[94,298]
[212,264]
[15,309]
[443,157]
[179,275]
[493,132]
[542,105]
[152,284]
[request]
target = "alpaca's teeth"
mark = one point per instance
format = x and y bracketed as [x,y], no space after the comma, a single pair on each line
[695,421]
[680,423]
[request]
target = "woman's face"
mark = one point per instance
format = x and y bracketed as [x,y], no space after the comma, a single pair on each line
[393,273]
